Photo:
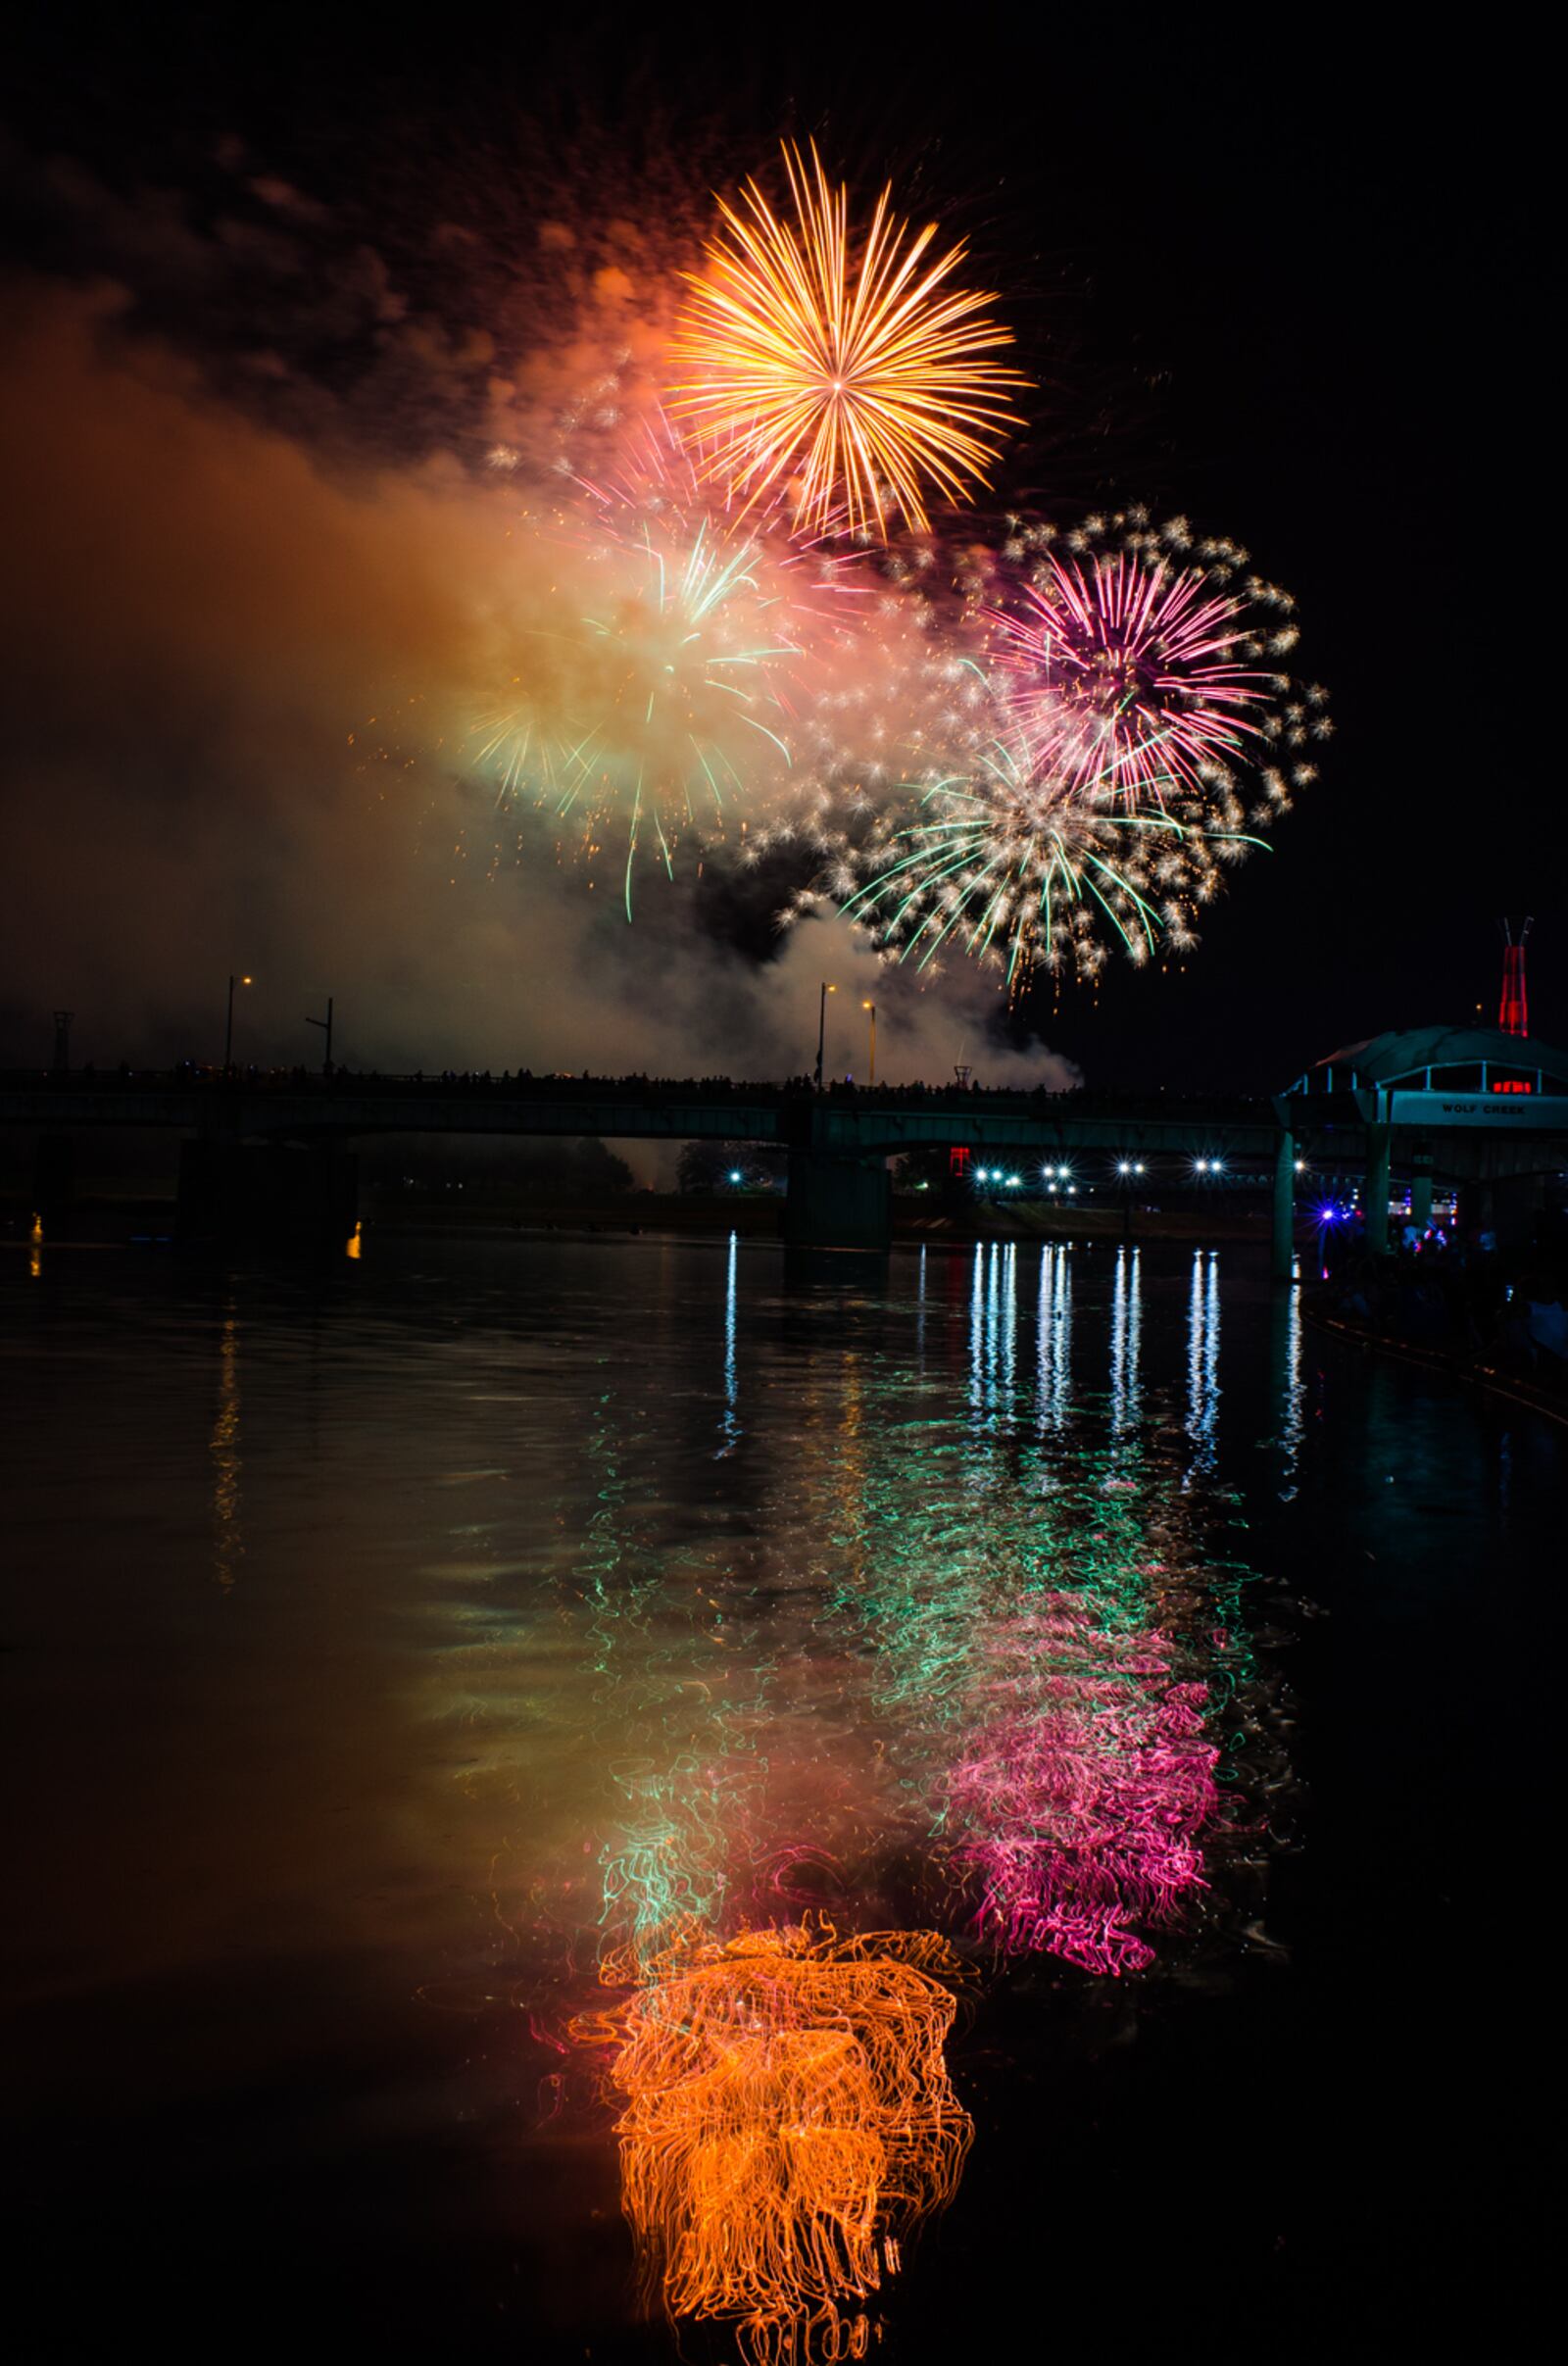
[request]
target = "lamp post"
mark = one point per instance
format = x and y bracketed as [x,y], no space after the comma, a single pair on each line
[871,1007]
[228,1024]
[821,1027]
[325,1024]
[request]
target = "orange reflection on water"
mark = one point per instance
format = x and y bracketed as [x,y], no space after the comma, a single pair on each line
[36,1248]
[788,2121]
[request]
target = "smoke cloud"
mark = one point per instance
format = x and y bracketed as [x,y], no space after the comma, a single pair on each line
[244,673]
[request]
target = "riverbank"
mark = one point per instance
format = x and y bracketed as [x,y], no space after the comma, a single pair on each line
[754,1215]
[1476,1371]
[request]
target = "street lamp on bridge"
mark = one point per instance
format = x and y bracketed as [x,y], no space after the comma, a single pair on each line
[821,1028]
[229,1023]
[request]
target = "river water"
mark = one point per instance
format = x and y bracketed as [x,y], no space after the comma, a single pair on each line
[500,1686]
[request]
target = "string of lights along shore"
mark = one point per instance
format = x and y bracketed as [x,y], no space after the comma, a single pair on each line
[777,618]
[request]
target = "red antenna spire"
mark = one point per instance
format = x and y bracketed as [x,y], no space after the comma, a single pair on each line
[1513,1011]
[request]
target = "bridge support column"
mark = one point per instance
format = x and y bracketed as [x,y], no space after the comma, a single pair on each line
[838,1203]
[1421,1190]
[1379,1154]
[1283,1243]
[270,1192]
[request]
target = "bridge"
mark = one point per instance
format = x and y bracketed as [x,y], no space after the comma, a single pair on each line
[838,1143]
[1470,1105]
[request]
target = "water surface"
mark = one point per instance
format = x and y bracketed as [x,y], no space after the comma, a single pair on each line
[394,1649]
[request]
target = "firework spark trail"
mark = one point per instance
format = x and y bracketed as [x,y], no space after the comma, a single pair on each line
[673,676]
[1016,866]
[789,2122]
[1136,687]
[1135,662]
[857,377]
[1035,753]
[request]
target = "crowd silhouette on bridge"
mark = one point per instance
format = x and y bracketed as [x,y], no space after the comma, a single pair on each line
[526,1084]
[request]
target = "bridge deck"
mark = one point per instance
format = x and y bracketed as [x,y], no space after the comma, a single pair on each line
[857,1124]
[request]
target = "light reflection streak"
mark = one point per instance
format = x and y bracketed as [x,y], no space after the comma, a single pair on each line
[1126,1329]
[36,1248]
[1292,1392]
[919,1307]
[993,1328]
[1203,1363]
[1055,1345]
[224,1449]
[977,1331]
[730,1421]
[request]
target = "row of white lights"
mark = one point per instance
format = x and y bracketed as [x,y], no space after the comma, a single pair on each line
[1063,1175]
[1124,1167]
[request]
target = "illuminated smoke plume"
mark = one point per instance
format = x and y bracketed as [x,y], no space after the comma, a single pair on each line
[661,700]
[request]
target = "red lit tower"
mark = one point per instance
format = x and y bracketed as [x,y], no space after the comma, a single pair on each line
[1513,1011]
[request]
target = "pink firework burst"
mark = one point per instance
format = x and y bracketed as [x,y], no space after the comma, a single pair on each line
[1137,664]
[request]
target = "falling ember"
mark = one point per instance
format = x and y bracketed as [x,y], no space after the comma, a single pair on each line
[789,2122]
[850,372]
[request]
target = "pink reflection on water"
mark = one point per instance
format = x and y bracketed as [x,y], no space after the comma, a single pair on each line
[1086,1790]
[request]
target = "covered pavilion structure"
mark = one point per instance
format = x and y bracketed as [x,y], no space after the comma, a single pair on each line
[1477,1107]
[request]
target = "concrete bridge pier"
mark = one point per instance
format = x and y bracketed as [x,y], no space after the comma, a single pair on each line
[269,1192]
[835,1201]
[1283,1242]
[1379,1158]
[1421,1189]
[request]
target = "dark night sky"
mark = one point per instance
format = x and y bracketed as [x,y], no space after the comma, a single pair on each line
[1276,273]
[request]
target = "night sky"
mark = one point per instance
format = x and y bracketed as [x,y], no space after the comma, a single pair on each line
[1264,273]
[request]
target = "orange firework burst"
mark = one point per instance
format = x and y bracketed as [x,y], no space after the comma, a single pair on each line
[858,380]
[789,2119]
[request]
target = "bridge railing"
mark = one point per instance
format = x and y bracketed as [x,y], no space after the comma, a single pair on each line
[851,1100]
